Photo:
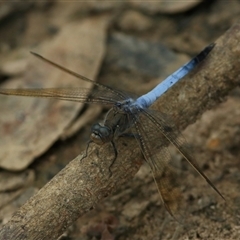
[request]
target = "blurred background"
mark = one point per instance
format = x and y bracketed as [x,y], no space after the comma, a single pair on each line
[130,45]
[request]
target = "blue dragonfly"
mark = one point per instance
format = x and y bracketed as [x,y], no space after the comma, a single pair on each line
[153,130]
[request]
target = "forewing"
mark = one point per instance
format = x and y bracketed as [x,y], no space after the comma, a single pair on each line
[101,94]
[120,94]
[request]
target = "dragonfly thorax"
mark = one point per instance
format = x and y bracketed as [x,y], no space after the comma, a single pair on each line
[128,106]
[101,134]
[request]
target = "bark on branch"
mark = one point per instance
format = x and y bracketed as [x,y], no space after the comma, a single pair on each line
[81,185]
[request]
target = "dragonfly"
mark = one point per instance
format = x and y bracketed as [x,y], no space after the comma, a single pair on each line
[152,129]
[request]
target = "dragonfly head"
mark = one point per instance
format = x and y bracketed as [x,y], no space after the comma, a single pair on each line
[101,134]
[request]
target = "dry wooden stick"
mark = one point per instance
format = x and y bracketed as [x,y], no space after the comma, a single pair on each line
[81,185]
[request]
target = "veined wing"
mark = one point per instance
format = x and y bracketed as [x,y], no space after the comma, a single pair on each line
[154,147]
[120,94]
[70,94]
[172,134]
[154,134]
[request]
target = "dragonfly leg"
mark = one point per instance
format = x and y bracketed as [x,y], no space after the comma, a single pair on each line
[115,157]
[86,152]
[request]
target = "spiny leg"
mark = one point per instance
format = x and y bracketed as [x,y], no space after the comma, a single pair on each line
[131,135]
[115,157]
[86,152]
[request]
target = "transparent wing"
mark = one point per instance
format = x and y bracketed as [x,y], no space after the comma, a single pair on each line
[155,150]
[154,135]
[109,89]
[102,94]
[70,94]
[173,135]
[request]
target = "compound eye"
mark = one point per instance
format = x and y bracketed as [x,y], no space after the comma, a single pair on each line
[104,132]
[96,127]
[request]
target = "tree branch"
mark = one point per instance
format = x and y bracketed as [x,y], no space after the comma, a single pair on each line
[82,184]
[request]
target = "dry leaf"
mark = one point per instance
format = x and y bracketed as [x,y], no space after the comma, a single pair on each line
[29,126]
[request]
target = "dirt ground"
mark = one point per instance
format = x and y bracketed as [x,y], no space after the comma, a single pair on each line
[136,44]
